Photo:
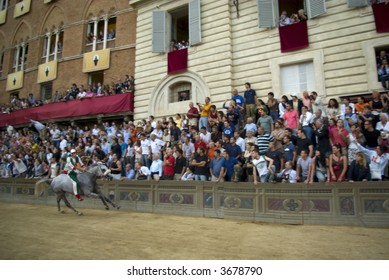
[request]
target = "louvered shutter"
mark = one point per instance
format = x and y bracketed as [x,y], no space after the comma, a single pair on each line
[159,32]
[316,8]
[194,22]
[265,13]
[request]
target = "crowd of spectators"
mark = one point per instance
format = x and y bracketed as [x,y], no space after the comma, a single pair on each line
[73,93]
[294,18]
[290,140]
[177,45]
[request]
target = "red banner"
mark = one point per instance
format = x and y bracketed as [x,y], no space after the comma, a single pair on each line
[76,108]
[177,61]
[294,36]
[381,17]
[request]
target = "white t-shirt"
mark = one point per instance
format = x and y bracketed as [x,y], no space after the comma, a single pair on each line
[261,165]
[145,144]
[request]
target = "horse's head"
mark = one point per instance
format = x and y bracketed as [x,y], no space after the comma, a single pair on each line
[100,169]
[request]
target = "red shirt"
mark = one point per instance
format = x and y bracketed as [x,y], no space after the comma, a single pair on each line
[169,169]
[336,137]
[191,111]
[200,144]
[291,119]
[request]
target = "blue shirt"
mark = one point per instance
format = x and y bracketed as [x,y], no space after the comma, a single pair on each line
[228,131]
[238,99]
[233,150]
[288,151]
[229,166]
[130,174]
[250,96]
[216,166]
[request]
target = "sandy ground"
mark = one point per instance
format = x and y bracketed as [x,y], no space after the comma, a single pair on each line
[40,232]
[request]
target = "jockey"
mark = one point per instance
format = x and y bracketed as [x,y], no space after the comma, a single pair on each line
[74,166]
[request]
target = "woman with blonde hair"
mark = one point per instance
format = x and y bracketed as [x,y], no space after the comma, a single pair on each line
[359,170]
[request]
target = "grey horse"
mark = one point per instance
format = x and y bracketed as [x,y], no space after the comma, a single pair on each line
[62,184]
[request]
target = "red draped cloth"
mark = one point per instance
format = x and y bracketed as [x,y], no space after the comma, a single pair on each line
[294,36]
[76,108]
[177,61]
[381,17]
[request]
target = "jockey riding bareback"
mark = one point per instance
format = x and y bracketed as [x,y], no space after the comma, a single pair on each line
[74,166]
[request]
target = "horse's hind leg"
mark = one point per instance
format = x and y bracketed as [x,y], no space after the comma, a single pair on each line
[70,206]
[59,198]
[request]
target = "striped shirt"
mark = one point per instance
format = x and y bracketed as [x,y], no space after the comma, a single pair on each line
[263,142]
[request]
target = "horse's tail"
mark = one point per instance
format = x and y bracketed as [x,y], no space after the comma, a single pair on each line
[41,185]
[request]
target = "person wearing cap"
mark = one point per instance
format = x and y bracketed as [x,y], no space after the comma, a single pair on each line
[74,166]
[296,103]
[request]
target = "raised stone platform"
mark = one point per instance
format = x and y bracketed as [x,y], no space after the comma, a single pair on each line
[357,204]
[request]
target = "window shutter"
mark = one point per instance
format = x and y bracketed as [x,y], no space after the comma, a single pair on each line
[194,22]
[316,8]
[159,32]
[265,13]
[356,3]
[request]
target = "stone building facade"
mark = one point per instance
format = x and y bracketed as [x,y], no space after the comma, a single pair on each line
[233,42]
[44,45]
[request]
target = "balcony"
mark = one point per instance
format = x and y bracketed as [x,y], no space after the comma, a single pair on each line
[119,103]
[22,8]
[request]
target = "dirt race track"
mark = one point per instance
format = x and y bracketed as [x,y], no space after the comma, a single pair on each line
[40,232]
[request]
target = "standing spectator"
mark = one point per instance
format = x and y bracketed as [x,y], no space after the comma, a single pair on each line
[278,134]
[205,135]
[31,100]
[383,74]
[338,135]
[204,112]
[291,118]
[375,103]
[284,19]
[240,141]
[354,135]
[200,163]
[156,168]
[305,121]
[277,156]
[272,104]
[296,103]
[216,167]
[360,105]
[304,167]
[303,143]
[250,126]
[239,100]
[232,149]
[263,140]
[188,150]
[317,103]
[168,165]
[266,122]
[289,150]
[372,136]
[262,165]
[180,165]
[282,106]
[322,137]
[116,167]
[250,102]
[346,103]
[232,169]
[337,165]
[19,165]
[307,101]
[333,110]
[146,151]
[378,161]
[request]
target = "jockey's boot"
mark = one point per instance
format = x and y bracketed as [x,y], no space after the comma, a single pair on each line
[79,197]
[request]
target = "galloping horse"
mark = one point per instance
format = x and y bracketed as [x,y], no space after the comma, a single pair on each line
[62,184]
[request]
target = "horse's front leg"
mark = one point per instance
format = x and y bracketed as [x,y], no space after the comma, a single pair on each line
[70,206]
[98,195]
